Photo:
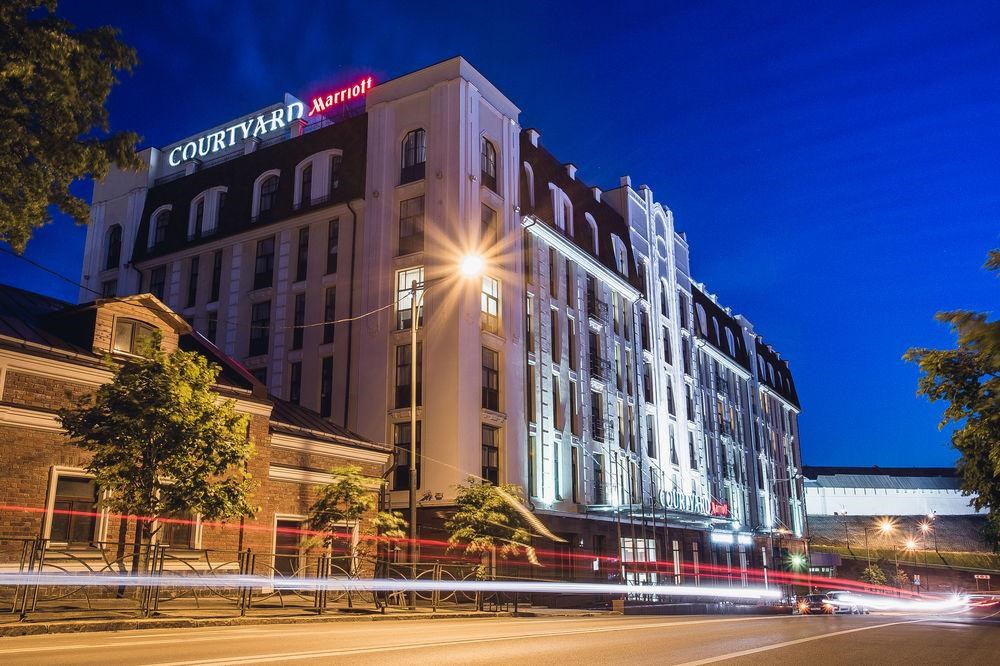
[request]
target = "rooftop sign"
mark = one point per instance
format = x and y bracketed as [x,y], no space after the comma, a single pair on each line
[325,102]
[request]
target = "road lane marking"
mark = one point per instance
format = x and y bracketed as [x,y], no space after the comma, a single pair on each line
[315,654]
[798,641]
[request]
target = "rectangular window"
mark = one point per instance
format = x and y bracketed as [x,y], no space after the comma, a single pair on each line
[599,496]
[405,295]
[598,425]
[574,353]
[295,383]
[490,307]
[528,252]
[650,436]
[260,374]
[553,274]
[671,407]
[554,338]
[332,246]
[192,295]
[326,387]
[288,546]
[179,534]
[682,307]
[529,322]
[404,357]
[491,380]
[260,328]
[411,225]
[488,228]
[302,256]
[109,288]
[157,280]
[199,217]
[686,356]
[212,327]
[263,270]
[216,275]
[336,162]
[570,291]
[557,408]
[574,408]
[619,373]
[693,456]
[491,455]
[531,399]
[688,402]
[75,502]
[647,383]
[329,314]
[401,440]
[668,351]
[575,472]
[620,416]
[298,321]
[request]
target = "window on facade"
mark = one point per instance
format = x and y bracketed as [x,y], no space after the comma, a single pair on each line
[113,247]
[647,383]
[671,407]
[329,314]
[644,330]
[404,356]
[306,185]
[267,197]
[401,442]
[132,337]
[620,418]
[405,295]
[491,455]
[557,407]
[288,546]
[574,463]
[73,519]
[531,399]
[598,426]
[260,374]
[216,275]
[553,274]
[212,327]
[411,225]
[414,156]
[688,402]
[692,453]
[332,245]
[491,379]
[668,351]
[177,530]
[109,288]
[599,496]
[554,338]
[574,352]
[199,217]
[298,321]
[336,163]
[295,383]
[686,355]
[682,305]
[326,387]
[220,207]
[529,322]
[570,283]
[263,269]
[302,256]
[487,227]
[618,366]
[260,328]
[160,225]
[488,163]
[490,306]
[574,408]
[192,295]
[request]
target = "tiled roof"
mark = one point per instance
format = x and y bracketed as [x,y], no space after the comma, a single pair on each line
[25,315]
[294,419]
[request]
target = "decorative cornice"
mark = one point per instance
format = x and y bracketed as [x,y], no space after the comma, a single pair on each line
[304,445]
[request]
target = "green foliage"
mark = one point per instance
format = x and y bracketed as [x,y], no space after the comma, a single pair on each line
[486,520]
[873,575]
[967,378]
[54,82]
[900,578]
[162,440]
[348,499]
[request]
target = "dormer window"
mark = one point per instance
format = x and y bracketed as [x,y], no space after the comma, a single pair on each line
[204,212]
[306,185]
[488,163]
[113,247]
[621,255]
[336,161]
[158,232]
[414,157]
[132,337]
[199,217]
[268,195]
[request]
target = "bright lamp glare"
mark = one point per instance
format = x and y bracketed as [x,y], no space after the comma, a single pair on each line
[472,265]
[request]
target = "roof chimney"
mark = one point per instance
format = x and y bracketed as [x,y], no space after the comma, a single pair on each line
[533,136]
[571,170]
[597,193]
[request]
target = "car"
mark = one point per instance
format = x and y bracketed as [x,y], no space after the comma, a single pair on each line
[847,602]
[815,604]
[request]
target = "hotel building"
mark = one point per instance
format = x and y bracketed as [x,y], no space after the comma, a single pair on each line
[643,419]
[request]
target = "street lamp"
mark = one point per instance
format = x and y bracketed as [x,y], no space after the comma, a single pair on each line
[470,266]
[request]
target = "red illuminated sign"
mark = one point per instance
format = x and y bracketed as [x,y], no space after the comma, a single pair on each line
[324,102]
[718,508]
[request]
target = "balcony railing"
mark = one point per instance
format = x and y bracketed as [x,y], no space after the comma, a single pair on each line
[597,309]
[600,367]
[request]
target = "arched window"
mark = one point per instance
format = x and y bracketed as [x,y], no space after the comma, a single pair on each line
[158,231]
[488,163]
[113,247]
[529,179]
[593,232]
[414,156]
[664,296]
[305,185]
[731,341]
[267,196]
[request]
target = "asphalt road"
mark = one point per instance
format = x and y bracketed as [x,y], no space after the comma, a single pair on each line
[882,638]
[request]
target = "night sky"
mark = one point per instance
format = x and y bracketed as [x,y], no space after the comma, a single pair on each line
[837,172]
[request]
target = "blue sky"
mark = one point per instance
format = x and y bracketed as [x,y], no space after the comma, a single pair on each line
[835,166]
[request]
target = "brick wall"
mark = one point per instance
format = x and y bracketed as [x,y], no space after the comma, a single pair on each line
[26,389]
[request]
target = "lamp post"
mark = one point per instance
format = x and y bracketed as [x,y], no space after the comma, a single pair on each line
[471,266]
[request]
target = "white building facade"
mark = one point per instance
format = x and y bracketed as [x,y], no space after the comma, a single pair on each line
[643,420]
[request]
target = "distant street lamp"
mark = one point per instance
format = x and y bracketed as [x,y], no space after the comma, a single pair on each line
[470,266]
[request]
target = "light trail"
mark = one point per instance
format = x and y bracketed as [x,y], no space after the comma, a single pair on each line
[381,585]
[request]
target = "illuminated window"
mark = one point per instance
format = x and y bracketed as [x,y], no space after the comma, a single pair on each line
[113,247]
[490,316]
[405,295]
[488,163]
[132,337]
[414,156]
[411,225]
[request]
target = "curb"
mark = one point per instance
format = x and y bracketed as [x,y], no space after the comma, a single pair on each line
[84,626]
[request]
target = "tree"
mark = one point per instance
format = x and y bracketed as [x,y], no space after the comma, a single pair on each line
[54,83]
[900,578]
[163,442]
[968,379]
[873,575]
[487,520]
[347,499]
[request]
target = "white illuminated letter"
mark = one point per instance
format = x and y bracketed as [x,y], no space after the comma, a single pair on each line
[260,128]
[276,119]
[203,145]
[295,110]
[194,150]
[246,127]
[171,159]
[218,141]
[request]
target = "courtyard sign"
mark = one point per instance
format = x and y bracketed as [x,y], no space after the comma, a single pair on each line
[678,501]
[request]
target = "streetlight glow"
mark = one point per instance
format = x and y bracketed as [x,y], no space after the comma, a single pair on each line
[910,544]
[925,527]
[886,526]
[472,265]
